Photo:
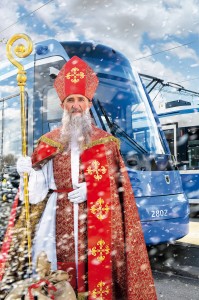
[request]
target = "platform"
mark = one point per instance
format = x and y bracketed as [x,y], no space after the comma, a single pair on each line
[193,236]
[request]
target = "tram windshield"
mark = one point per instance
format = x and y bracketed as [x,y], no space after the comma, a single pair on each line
[124,111]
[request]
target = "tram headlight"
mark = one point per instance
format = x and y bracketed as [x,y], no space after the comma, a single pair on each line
[41,49]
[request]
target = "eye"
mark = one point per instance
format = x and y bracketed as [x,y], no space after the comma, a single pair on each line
[69,100]
[81,99]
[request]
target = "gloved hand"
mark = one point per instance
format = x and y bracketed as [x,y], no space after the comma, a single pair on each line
[79,195]
[24,165]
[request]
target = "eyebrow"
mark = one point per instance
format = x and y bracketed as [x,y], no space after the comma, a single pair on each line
[71,98]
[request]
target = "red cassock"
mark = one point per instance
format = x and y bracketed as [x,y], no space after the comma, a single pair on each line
[112,255]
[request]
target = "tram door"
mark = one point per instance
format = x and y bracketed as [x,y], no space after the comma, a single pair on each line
[171,136]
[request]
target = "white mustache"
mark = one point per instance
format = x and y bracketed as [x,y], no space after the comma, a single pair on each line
[75,110]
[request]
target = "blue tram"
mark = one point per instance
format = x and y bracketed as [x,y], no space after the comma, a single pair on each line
[181,127]
[122,107]
[178,112]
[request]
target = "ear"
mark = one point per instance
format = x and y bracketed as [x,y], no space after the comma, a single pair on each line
[62,105]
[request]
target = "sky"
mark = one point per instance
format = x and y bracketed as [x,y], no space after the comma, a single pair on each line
[160,38]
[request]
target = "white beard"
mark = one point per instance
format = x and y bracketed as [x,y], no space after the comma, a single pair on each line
[76,127]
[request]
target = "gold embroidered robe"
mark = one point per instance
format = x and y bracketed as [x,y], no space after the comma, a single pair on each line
[131,272]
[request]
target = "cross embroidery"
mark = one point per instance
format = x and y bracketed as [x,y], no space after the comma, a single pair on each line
[101,291]
[94,168]
[99,209]
[74,75]
[100,249]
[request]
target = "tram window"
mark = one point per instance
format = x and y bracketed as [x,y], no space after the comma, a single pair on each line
[143,138]
[176,103]
[126,109]
[169,133]
[182,144]
[54,110]
[193,154]
[193,147]
[10,131]
[188,148]
[46,99]
[10,118]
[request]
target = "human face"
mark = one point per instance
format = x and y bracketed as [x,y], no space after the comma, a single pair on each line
[76,104]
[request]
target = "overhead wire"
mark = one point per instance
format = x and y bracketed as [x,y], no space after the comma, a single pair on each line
[152,54]
[169,49]
[166,50]
[27,15]
[3,40]
[188,79]
[184,80]
[169,89]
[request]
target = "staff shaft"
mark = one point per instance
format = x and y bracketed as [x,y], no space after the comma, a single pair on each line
[25,175]
[21,51]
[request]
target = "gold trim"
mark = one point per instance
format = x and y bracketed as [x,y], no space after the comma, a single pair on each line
[103,141]
[51,143]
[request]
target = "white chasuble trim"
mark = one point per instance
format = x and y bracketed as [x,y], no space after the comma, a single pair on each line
[75,154]
[45,237]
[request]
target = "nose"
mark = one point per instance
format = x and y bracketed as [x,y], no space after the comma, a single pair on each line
[76,105]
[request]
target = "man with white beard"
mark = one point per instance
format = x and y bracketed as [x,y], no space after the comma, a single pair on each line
[76,122]
[82,210]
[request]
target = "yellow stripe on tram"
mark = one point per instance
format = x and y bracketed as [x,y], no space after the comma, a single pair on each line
[193,236]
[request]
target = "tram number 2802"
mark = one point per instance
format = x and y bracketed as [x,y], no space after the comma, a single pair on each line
[159,213]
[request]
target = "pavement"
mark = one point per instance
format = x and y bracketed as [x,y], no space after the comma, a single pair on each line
[180,257]
[193,236]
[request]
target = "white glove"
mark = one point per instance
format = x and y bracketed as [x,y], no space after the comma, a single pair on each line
[24,165]
[79,195]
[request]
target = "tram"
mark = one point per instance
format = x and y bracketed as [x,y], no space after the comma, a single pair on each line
[181,127]
[122,107]
[178,112]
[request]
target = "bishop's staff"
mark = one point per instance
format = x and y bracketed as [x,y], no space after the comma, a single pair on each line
[22,51]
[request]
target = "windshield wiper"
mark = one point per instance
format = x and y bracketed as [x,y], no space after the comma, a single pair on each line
[116,130]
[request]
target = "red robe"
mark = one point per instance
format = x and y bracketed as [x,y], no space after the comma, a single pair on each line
[125,264]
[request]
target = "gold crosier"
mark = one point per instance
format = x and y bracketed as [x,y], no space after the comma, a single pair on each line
[21,51]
